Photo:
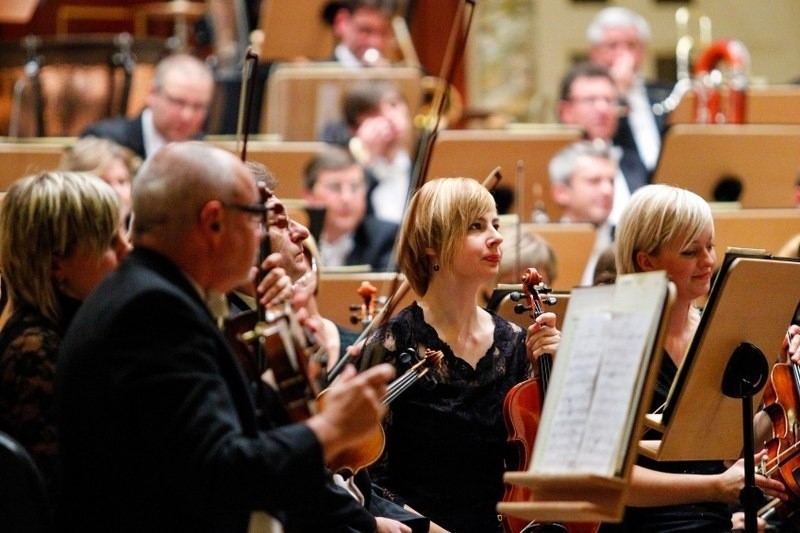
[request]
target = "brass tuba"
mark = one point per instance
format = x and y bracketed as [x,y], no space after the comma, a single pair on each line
[709,81]
[684,49]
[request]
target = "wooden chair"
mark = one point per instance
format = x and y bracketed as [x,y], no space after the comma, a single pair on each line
[764,157]
[572,244]
[475,153]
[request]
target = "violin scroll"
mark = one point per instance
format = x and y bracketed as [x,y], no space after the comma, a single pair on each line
[533,289]
[364,313]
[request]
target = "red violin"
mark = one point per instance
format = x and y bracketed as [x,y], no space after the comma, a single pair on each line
[522,409]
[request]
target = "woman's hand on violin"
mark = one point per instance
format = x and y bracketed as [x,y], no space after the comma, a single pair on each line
[387,525]
[543,336]
[276,287]
[731,482]
[352,408]
[791,343]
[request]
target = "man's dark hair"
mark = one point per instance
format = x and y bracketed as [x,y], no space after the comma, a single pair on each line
[582,70]
[332,158]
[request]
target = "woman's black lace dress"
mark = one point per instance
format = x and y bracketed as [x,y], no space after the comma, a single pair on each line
[446,439]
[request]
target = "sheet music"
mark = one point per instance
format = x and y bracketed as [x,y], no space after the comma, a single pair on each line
[608,335]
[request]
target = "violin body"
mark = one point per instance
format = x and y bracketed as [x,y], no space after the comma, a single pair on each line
[262,345]
[781,402]
[522,410]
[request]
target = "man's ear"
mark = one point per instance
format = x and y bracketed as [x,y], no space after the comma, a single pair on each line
[211,217]
[560,193]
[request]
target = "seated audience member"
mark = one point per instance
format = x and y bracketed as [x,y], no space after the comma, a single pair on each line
[582,180]
[618,39]
[59,235]
[589,99]
[177,106]
[156,422]
[377,130]
[114,164]
[363,30]
[335,180]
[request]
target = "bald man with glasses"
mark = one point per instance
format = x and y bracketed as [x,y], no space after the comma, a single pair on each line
[177,107]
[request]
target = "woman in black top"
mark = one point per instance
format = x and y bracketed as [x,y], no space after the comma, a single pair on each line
[446,442]
[671,229]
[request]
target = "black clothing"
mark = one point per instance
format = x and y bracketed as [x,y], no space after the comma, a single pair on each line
[157,428]
[709,517]
[446,440]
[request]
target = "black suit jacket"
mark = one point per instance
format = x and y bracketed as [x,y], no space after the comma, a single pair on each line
[374,243]
[656,92]
[124,131]
[127,132]
[158,429]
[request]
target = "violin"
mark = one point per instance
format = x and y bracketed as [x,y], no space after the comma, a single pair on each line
[265,339]
[522,410]
[354,459]
[364,312]
[781,401]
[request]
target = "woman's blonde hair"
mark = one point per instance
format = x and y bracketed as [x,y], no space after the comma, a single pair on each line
[657,215]
[93,154]
[47,216]
[438,218]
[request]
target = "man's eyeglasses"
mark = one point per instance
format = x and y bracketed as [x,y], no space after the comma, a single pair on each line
[594,100]
[256,211]
[180,103]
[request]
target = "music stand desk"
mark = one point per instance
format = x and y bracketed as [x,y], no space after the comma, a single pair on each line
[475,153]
[764,157]
[301,99]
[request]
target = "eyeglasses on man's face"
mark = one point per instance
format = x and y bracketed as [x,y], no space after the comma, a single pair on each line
[256,212]
[275,212]
[182,103]
[595,100]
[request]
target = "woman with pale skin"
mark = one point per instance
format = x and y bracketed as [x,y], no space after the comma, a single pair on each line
[671,229]
[446,439]
[60,234]
[106,159]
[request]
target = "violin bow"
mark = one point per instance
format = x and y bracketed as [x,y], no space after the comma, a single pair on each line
[455,49]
